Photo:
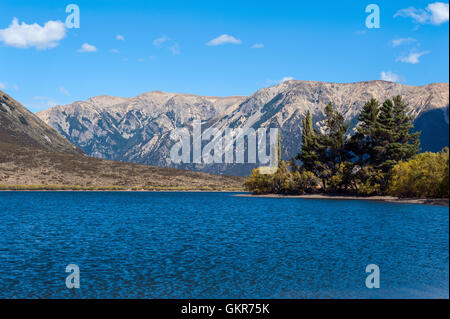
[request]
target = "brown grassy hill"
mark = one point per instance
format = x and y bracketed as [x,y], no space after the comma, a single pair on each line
[34,156]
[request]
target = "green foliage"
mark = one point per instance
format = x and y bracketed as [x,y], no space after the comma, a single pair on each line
[406,144]
[343,181]
[362,142]
[309,154]
[425,176]
[304,183]
[283,181]
[370,181]
[393,140]
[384,137]
[380,158]
[258,183]
[334,149]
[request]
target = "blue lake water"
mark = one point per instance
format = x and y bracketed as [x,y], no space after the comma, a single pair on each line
[215,245]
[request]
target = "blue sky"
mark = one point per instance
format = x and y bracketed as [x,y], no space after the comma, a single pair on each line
[169,46]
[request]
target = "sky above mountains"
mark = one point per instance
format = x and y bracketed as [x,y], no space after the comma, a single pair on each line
[218,48]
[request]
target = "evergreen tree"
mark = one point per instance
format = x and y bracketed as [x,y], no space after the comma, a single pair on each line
[309,154]
[334,141]
[384,137]
[405,144]
[361,143]
[383,146]
[394,141]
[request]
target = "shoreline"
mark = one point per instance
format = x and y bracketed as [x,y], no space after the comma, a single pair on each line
[125,190]
[76,188]
[388,199]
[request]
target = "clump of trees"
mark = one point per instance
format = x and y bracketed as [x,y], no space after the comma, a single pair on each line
[379,158]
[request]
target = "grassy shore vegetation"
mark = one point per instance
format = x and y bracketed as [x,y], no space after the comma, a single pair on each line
[381,157]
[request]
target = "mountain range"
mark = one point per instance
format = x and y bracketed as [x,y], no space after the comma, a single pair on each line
[138,129]
[35,156]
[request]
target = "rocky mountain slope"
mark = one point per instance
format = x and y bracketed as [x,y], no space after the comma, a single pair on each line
[138,129]
[132,129]
[20,126]
[32,153]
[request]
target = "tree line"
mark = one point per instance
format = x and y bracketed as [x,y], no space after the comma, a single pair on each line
[380,157]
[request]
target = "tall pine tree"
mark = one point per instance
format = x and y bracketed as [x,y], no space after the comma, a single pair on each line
[362,142]
[384,137]
[334,141]
[309,155]
[405,144]
[394,140]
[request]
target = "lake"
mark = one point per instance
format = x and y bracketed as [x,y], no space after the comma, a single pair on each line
[215,245]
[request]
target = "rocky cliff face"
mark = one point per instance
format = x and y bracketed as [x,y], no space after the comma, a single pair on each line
[132,129]
[138,129]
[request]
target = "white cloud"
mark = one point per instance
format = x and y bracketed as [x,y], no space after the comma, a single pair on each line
[412,57]
[389,76]
[120,37]
[159,41]
[114,51]
[286,78]
[258,46]
[64,91]
[224,39]
[439,12]
[275,82]
[166,42]
[33,35]
[16,87]
[174,48]
[435,13]
[418,15]
[86,47]
[400,41]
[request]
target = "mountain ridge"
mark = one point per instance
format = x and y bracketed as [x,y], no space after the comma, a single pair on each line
[17,124]
[138,129]
[35,156]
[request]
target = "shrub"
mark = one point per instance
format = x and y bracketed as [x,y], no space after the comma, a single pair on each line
[370,181]
[305,182]
[425,176]
[283,181]
[258,183]
[345,179]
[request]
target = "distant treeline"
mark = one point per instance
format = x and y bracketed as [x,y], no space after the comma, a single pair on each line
[381,157]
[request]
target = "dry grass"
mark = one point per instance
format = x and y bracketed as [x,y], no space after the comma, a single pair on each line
[28,168]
